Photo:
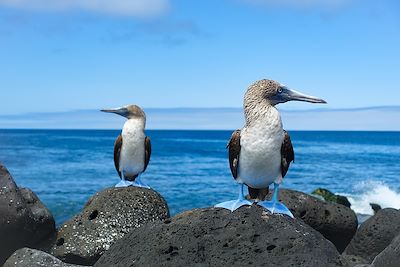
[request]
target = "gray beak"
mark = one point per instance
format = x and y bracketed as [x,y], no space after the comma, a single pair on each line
[287,94]
[123,111]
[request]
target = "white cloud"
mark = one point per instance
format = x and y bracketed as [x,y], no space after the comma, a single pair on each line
[140,8]
[299,3]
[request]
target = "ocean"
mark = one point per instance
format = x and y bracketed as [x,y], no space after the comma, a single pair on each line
[190,168]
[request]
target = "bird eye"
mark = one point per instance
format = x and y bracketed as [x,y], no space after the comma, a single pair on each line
[280,90]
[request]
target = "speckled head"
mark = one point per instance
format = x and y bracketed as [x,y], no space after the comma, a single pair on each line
[275,93]
[129,112]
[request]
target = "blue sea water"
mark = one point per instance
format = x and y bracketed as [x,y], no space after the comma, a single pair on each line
[190,168]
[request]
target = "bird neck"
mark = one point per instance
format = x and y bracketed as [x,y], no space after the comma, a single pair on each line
[135,124]
[261,112]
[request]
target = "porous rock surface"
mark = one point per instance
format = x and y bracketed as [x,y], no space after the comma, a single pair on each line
[375,234]
[390,256]
[250,236]
[26,257]
[353,260]
[106,218]
[335,222]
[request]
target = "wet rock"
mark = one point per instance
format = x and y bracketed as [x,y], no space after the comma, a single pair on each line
[26,257]
[106,218]
[390,256]
[24,220]
[335,222]
[331,197]
[375,207]
[375,234]
[250,236]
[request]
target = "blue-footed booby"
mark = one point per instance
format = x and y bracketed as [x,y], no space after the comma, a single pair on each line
[132,148]
[261,152]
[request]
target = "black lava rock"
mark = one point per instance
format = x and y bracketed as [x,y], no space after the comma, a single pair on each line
[335,222]
[107,217]
[390,256]
[26,257]
[353,260]
[375,207]
[250,236]
[24,220]
[375,234]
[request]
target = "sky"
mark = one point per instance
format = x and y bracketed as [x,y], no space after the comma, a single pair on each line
[65,55]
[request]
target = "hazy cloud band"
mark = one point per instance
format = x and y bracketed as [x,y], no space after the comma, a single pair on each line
[114,7]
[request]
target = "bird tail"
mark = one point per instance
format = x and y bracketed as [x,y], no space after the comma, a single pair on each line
[258,194]
[131,178]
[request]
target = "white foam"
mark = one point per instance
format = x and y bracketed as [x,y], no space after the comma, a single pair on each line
[373,192]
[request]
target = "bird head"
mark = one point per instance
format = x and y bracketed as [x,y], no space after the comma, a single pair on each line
[276,93]
[129,112]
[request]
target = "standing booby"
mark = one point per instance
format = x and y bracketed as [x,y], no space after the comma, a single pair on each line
[132,149]
[260,153]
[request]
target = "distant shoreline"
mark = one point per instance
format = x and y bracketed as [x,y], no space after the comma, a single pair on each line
[385,119]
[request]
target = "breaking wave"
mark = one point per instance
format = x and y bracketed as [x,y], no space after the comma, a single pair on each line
[373,192]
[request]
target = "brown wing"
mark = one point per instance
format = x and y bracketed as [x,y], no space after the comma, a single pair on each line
[287,154]
[117,153]
[234,152]
[147,149]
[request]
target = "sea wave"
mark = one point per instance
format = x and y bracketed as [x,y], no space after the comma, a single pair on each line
[373,192]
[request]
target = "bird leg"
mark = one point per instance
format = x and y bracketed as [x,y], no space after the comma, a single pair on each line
[138,182]
[123,182]
[274,206]
[126,183]
[235,204]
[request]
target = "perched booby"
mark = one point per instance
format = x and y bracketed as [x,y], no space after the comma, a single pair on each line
[132,149]
[261,152]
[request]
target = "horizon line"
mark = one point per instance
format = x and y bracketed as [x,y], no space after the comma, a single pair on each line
[321,109]
[185,130]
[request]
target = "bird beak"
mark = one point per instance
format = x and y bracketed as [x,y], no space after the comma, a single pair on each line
[123,111]
[292,95]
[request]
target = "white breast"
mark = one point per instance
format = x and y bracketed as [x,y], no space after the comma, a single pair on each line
[133,151]
[260,154]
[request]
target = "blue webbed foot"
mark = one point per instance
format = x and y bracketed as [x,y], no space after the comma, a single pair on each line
[275,207]
[124,183]
[139,183]
[233,204]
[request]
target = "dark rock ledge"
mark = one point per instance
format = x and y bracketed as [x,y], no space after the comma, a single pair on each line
[375,234]
[335,222]
[250,236]
[108,228]
[24,220]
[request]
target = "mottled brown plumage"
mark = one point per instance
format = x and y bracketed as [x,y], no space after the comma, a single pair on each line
[287,154]
[117,153]
[234,152]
